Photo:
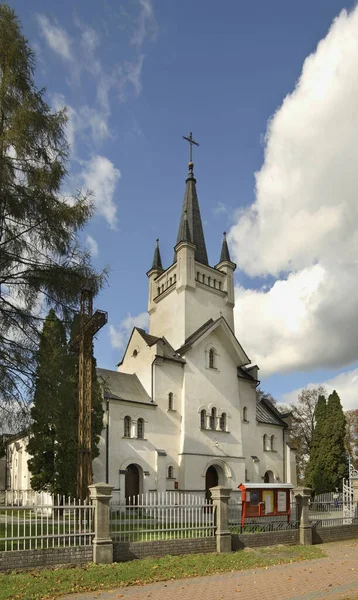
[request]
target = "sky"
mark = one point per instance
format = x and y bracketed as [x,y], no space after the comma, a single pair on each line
[269,90]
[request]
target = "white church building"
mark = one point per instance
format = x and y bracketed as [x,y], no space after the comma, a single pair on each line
[181,413]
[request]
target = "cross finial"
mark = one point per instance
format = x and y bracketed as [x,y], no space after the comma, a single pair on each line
[191,142]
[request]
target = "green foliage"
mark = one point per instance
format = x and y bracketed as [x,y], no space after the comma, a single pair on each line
[302,426]
[313,470]
[40,260]
[54,442]
[333,456]
[328,456]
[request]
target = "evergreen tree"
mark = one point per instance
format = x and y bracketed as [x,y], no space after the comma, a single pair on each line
[317,439]
[333,455]
[47,404]
[54,443]
[40,260]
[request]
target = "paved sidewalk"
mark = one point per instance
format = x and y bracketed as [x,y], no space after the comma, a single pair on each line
[331,578]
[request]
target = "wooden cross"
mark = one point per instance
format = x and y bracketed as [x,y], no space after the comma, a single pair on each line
[191,142]
[90,324]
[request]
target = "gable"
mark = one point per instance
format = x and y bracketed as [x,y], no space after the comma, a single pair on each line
[226,336]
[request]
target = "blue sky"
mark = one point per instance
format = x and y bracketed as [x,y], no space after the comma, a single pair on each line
[136,75]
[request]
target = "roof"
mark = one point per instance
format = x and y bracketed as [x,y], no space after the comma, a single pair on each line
[123,386]
[267,413]
[194,224]
[242,373]
[157,260]
[149,339]
[225,254]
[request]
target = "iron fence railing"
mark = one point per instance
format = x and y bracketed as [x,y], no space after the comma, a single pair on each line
[162,516]
[332,514]
[45,524]
[261,524]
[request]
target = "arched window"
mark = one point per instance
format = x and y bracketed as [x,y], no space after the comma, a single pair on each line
[209,280]
[202,419]
[211,358]
[170,473]
[170,401]
[140,428]
[219,285]
[265,442]
[244,414]
[127,426]
[203,278]
[272,442]
[213,418]
[223,422]
[197,275]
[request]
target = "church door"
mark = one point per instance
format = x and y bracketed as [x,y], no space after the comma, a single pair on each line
[211,480]
[132,483]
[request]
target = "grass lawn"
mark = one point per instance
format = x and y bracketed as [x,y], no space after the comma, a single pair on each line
[51,583]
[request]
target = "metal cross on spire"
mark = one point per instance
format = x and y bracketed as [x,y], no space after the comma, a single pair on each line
[191,142]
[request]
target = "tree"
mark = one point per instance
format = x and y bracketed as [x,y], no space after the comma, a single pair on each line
[302,426]
[333,454]
[54,440]
[41,262]
[49,387]
[313,469]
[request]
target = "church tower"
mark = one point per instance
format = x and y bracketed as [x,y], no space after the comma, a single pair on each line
[190,292]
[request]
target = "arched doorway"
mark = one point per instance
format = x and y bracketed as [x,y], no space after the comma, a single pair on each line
[211,480]
[132,482]
[268,477]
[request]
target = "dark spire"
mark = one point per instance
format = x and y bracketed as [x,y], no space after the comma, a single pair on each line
[225,254]
[157,261]
[191,215]
[184,231]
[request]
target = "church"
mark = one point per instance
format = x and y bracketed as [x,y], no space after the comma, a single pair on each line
[180,412]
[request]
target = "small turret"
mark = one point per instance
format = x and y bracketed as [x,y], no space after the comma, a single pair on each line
[225,254]
[157,261]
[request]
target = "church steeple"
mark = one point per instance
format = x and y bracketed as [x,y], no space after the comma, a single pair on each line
[225,254]
[157,261]
[192,211]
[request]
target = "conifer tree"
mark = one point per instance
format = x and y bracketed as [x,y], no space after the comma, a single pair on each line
[333,455]
[54,441]
[46,407]
[40,259]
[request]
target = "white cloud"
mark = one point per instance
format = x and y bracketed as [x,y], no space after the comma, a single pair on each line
[302,228]
[92,245]
[146,24]
[345,384]
[119,336]
[56,37]
[101,176]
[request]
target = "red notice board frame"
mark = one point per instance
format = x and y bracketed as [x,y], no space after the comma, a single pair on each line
[256,498]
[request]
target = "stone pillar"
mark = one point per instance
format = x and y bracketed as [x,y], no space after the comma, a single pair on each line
[220,496]
[101,494]
[354,481]
[302,495]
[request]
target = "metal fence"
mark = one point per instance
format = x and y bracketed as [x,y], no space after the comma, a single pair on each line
[259,524]
[162,516]
[41,523]
[332,514]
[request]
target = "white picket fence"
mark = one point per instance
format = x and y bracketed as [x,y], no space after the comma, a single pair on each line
[37,521]
[162,516]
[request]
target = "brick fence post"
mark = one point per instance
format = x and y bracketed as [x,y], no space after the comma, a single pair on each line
[302,495]
[220,496]
[101,494]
